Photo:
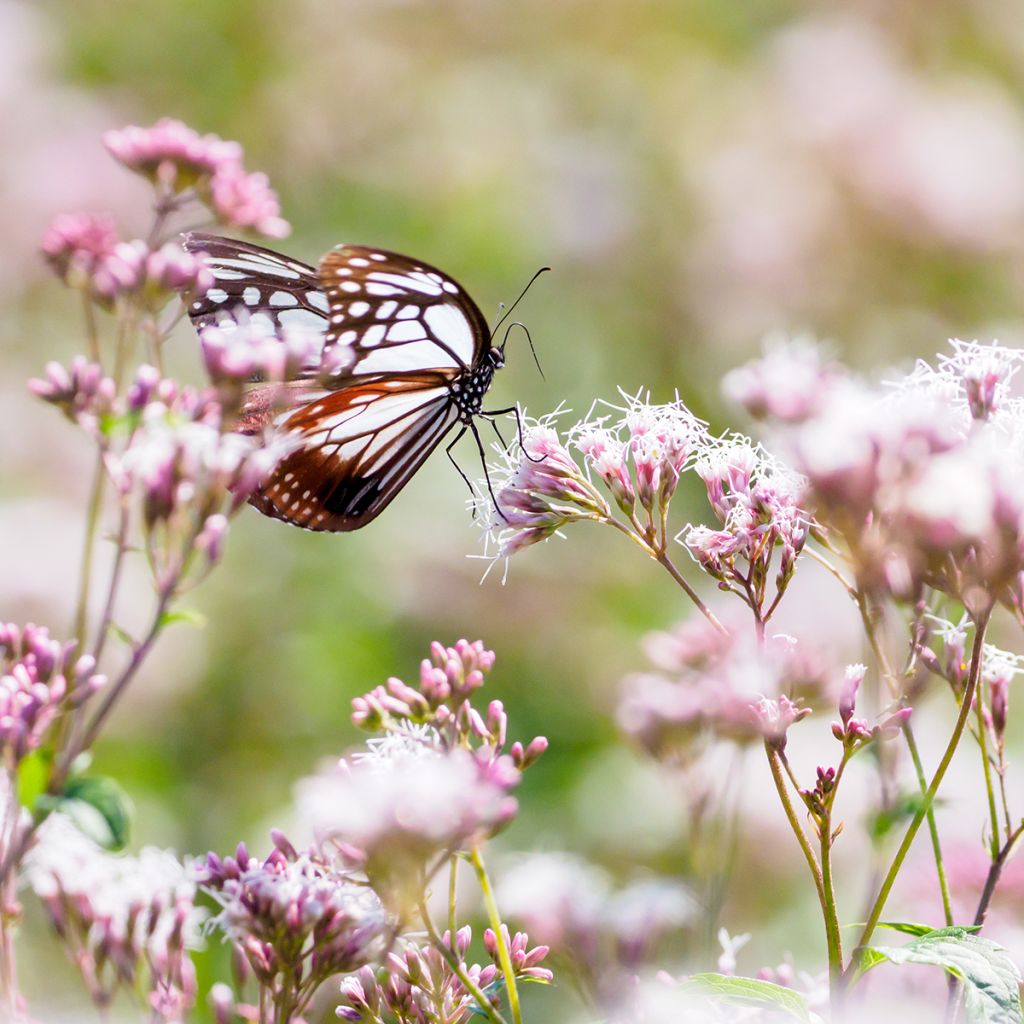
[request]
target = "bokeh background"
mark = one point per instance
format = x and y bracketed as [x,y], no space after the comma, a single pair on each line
[698,173]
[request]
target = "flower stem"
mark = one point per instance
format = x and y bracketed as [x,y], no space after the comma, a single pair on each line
[833,937]
[487,1008]
[92,520]
[986,768]
[495,919]
[775,764]
[929,796]
[889,676]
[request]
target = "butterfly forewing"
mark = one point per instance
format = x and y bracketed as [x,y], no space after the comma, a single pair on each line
[390,314]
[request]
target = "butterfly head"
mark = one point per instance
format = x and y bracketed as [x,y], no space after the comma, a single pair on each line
[496,355]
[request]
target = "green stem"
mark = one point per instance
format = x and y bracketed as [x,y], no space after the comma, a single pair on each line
[833,937]
[487,1008]
[92,520]
[889,676]
[775,765]
[453,868]
[933,788]
[986,768]
[661,556]
[499,938]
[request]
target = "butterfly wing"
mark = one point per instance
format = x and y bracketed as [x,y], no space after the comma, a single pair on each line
[398,333]
[263,288]
[391,314]
[361,445]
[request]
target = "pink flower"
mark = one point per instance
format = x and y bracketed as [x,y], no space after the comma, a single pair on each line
[75,244]
[789,383]
[245,200]
[170,153]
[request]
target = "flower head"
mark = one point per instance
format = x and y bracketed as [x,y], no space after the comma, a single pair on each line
[170,153]
[294,915]
[40,680]
[123,919]
[390,815]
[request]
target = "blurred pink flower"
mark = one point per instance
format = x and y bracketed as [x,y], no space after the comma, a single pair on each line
[170,153]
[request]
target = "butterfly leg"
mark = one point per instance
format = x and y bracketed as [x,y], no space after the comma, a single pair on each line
[504,443]
[483,462]
[514,409]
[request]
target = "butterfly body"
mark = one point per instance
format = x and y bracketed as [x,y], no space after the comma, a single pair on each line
[406,357]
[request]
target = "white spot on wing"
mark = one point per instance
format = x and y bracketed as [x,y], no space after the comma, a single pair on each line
[283,299]
[359,309]
[450,326]
[251,296]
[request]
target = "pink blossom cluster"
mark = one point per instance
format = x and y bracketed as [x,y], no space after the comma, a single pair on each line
[176,158]
[759,505]
[637,452]
[854,733]
[85,251]
[170,446]
[391,812]
[126,922]
[714,684]
[924,480]
[41,679]
[442,703]
[419,986]
[298,918]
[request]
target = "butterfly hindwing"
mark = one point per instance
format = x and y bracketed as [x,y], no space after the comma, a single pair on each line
[360,446]
[261,287]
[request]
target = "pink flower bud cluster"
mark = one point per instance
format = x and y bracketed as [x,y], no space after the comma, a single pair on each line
[176,158]
[85,252]
[637,452]
[169,446]
[419,986]
[789,384]
[540,490]
[923,481]
[296,917]
[763,525]
[125,922]
[712,685]
[40,679]
[855,733]
[998,670]
[442,702]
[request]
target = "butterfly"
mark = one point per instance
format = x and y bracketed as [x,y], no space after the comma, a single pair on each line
[406,358]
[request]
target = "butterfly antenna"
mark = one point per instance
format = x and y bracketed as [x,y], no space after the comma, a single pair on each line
[516,303]
[519,323]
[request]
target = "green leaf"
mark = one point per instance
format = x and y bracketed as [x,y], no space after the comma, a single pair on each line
[98,807]
[186,615]
[990,978]
[750,991]
[33,775]
[909,928]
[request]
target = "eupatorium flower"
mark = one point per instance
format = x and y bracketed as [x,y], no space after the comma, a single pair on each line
[417,985]
[391,814]
[718,685]
[439,712]
[297,917]
[40,679]
[123,920]
[178,159]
